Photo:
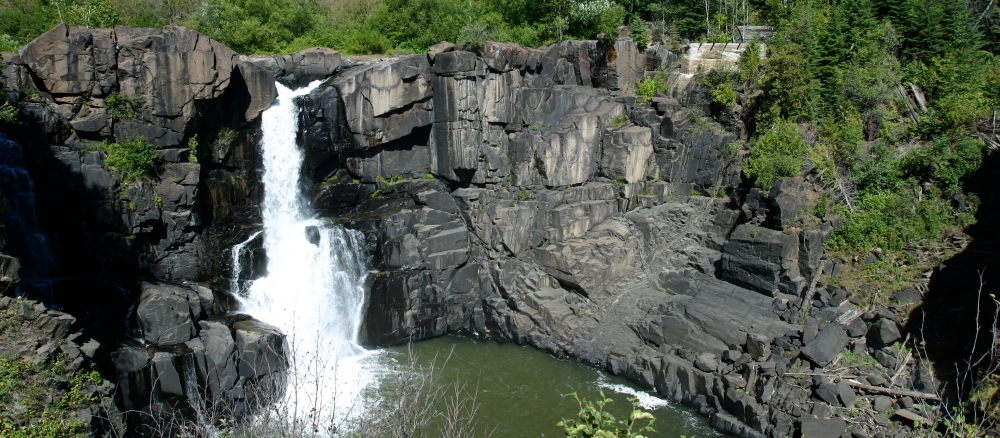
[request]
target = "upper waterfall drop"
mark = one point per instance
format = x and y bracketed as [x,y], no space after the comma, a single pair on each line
[314,289]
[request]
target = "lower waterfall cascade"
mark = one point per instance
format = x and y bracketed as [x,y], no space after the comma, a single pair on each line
[314,287]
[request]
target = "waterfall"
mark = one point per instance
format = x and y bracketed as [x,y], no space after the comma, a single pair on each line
[314,288]
[237,255]
[25,240]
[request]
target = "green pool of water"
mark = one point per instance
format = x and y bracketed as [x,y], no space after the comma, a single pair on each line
[521,388]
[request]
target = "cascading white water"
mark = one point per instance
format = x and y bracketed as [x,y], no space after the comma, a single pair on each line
[314,288]
[237,253]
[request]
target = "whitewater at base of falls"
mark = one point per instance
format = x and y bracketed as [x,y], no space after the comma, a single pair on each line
[314,289]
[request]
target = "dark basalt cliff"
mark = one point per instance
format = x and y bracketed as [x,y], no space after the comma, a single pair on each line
[520,194]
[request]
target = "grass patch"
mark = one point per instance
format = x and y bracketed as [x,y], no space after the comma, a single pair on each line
[132,160]
[40,399]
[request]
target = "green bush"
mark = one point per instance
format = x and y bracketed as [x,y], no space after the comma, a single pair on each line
[649,86]
[121,106]
[890,219]
[8,113]
[750,61]
[724,95]
[193,149]
[775,154]
[945,161]
[594,421]
[132,160]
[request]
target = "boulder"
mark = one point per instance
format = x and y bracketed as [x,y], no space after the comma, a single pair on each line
[439,48]
[762,259]
[220,358]
[881,403]
[128,358]
[907,295]
[827,391]
[625,152]
[857,328]
[296,70]
[885,332]
[759,346]
[846,394]
[166,313]
[788,197]
[706,362]
[260,349]
[169,74]
[166,375]
[827,345]
[819,428]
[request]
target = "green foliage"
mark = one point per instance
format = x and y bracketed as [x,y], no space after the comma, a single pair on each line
[35,390]
[121,106]
[750,61]
[257,26]
[890,219]
[193,149]
[8,113]
[428,176]
[617,120]
[775,154]
[649,86]
[640,31]
[945,161]
[89,13]
[524,195]
[724,95]
[594,421]
[788,85]
[8,43]
[133,159]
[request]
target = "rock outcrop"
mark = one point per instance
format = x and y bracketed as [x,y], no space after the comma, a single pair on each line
[187,357]
[519,194]
[197,103]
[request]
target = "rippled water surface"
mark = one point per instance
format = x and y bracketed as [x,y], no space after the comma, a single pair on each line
[521,388]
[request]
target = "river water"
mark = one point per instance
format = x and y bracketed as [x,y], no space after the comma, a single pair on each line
[521,389]
[314,291]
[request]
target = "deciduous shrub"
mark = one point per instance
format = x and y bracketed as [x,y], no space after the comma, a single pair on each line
[133,159]
[775,154]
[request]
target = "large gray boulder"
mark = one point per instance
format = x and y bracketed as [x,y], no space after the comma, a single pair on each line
[827,345]
[220,358]
[260,349]
[167,313]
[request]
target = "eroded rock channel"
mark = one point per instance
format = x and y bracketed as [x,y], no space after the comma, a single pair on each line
[522,195]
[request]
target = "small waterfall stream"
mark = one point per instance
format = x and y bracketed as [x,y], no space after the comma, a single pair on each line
[25,240]
[314,288]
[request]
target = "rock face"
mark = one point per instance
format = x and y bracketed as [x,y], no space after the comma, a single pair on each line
[186,94]
[522,195]
[169,73]
[198,104]
[232,359]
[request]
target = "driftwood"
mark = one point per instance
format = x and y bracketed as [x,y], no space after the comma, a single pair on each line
[901,393]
